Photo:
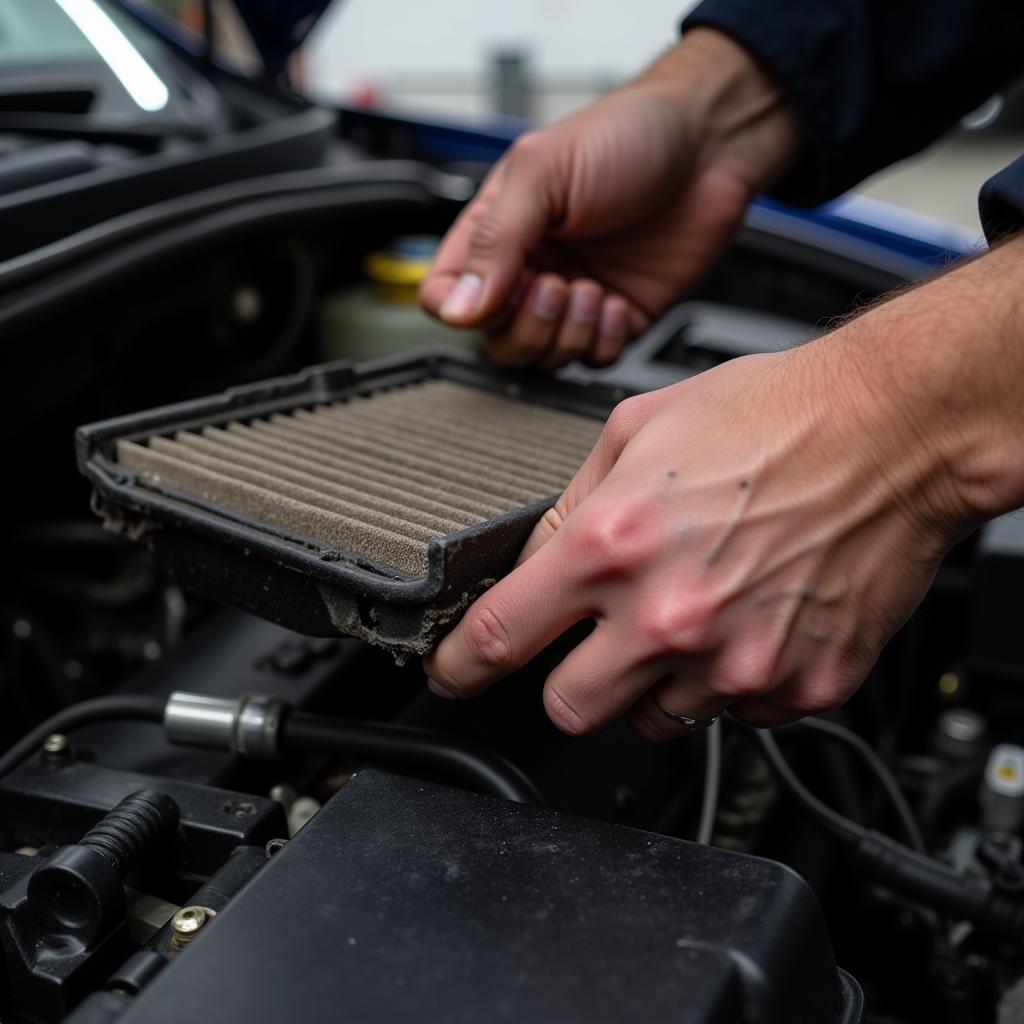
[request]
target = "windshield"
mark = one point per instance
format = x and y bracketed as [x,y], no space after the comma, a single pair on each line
[56,32]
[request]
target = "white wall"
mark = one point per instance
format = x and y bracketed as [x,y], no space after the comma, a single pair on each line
[433,54]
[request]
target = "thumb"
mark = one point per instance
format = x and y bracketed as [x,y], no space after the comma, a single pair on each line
[506,222]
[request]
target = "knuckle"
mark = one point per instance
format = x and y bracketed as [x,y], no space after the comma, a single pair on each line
[811,703]
[449,683]
[437,669]
[626,418]
[739,686]
[564,714]
[760,715]
[616,425]
[649,724]
[487,638]
[747,674]
[614,539]
[678,627]
[490,234]
[529,148]
[815,697]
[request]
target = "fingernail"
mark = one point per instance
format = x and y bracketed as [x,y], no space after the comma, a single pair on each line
[438,690]
[613,320]
[464,299]
[585,306]
[549,301]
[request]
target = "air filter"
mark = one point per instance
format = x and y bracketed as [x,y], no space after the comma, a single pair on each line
[373,501]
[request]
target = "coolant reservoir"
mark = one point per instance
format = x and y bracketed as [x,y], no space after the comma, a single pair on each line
[380,316]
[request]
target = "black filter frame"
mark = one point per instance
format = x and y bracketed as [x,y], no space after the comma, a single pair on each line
[295,581]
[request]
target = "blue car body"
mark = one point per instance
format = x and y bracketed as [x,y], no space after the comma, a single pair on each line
[849,222]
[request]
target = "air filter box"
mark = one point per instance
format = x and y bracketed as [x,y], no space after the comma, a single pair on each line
[374,501]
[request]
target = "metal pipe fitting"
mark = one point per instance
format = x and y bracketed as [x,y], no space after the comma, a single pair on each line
[257,726]
[247,725]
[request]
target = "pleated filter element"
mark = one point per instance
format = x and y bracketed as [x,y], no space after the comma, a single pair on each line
[375,500]
[374,476]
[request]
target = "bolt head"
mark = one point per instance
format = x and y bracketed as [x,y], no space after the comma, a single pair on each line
[187,922]
[57,743]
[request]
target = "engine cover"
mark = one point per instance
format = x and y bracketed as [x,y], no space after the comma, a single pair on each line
[406,901]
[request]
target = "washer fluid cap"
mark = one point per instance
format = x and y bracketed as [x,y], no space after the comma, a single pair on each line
[400,269]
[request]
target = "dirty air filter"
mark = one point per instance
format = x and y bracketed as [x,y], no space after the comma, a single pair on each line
[372,501]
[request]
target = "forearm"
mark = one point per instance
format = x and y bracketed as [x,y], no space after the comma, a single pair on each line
[940,368]
[938,372]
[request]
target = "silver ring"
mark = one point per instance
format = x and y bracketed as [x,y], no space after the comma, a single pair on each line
[692,724]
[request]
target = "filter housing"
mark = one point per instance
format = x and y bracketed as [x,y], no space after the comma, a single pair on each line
[374,501]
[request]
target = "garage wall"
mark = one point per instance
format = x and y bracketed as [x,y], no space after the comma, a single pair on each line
[437,56]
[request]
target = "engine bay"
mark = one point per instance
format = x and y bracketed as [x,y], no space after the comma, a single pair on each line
[206,812]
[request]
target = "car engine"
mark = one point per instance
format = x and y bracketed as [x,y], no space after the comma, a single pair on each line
[225,792]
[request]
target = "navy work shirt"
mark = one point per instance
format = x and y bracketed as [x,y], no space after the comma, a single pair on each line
[877,80]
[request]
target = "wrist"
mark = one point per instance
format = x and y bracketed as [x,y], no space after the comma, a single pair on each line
[734,109]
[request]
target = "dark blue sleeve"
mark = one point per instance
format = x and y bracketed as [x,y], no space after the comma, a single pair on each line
[1001,202]
[877,80]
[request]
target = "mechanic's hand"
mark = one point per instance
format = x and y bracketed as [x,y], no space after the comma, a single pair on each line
[588,229]
[750,538]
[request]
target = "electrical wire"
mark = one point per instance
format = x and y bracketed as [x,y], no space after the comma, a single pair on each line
[875,765]
[964,897]
[712,782]
[86,712]
[841,827]
[404,746]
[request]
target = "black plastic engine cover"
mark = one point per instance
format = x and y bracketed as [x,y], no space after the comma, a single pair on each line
[405,901]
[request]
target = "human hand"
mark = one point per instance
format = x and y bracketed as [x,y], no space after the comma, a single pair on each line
[750,538]
[588,229]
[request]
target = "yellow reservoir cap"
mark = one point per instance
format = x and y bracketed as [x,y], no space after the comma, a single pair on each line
[399,270]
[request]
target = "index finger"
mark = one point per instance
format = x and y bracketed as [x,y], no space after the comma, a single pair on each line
[508,626]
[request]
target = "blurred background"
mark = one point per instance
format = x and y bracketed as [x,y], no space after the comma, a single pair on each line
[540,59]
